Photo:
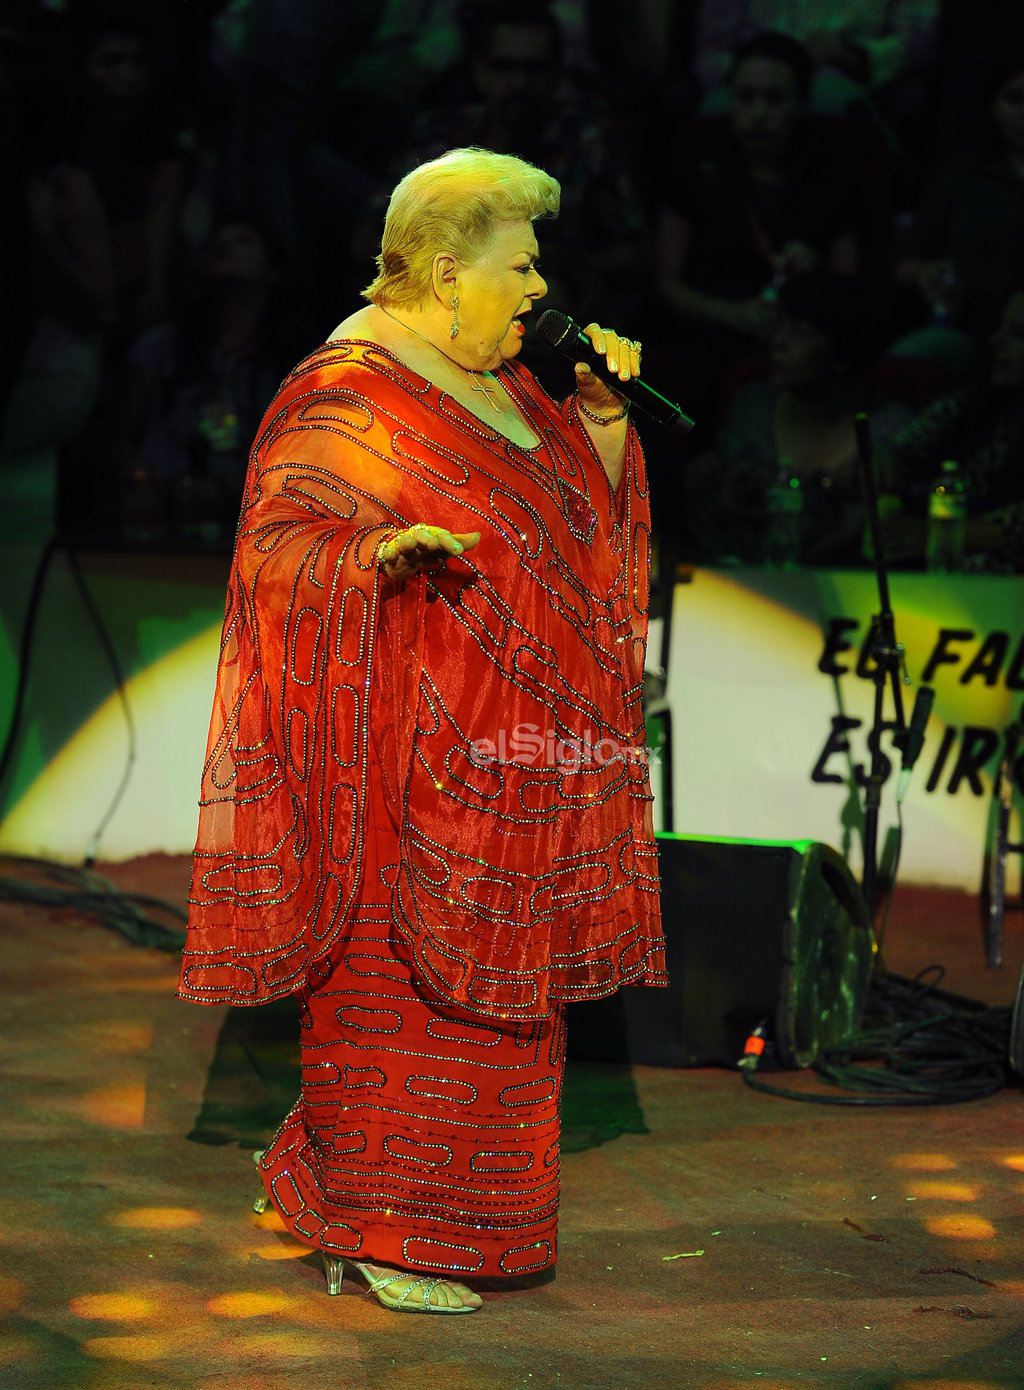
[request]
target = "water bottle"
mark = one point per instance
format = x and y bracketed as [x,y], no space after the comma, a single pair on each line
[947,520]
[784,507]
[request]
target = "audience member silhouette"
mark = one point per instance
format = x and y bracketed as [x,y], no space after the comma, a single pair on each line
[126,141]
[869,42]
[523,101]
[193,391]
[981,426]
[826,335]
[965,247]
[753,198]
[873,59]
[694,237]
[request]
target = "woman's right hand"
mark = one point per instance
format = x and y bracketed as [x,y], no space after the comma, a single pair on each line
[422,549]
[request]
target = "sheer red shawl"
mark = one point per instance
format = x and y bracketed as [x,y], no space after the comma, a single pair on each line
[494,707]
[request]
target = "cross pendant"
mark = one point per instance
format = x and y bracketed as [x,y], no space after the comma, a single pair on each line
[481,384]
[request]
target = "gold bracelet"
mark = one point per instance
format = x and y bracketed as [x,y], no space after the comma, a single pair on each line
[601,419]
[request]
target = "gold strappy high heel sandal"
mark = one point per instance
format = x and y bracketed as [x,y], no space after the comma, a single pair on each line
[334,1271]
[378,1285]
[261,1201]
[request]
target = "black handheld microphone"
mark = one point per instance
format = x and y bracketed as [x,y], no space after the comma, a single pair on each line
[923,701]
[560,333]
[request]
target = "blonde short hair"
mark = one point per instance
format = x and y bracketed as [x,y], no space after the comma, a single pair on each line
[453,204]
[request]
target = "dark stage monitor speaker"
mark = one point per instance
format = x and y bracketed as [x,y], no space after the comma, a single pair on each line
[755,932]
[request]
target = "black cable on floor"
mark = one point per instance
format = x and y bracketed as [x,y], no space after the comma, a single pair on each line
[917,1045]
[52,885]
[87,892]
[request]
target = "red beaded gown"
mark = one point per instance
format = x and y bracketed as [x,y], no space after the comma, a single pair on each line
[425,805]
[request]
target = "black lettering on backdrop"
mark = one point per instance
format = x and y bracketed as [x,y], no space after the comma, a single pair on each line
[837,742]
[1015,672]
[977,747]
[866,664]
[948,739]
[974,746]
[835,642]
[987,662]
[941,655]
[889,726]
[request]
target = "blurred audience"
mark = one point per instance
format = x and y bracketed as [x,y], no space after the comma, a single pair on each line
[981,426]
[192,392]
[875,57]
[755,196]
[520,98]
[965,247]
[643,52]
[18,75]
[121,134]
[826,334]
[191,188]
[277,56]
[869,42]
[70,264]
[321,96]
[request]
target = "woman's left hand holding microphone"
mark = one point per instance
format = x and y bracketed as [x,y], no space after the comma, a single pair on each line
[623,358]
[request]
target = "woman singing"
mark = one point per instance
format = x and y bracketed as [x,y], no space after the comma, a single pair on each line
[425,805]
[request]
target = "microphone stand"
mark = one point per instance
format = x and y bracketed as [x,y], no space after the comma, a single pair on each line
[887,655]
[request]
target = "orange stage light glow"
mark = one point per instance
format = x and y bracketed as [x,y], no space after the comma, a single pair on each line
[945,1385]
[12,1293]
[249,1304]
[944,1191]
[269,1220]
[960,1227]
[114,1037]
[157,1218]
[282,1252]
[116,1107]
[143,1347]
[266,1346]
[923,1162]
[116,1307]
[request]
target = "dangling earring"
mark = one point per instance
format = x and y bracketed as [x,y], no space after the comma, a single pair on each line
[453,332]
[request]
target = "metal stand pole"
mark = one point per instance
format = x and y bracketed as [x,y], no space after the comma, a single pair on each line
[887,655]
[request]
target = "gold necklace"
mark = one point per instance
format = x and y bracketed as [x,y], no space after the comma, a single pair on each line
[478,385]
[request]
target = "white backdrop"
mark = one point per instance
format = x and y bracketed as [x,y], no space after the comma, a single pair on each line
[753,712]
[752,718]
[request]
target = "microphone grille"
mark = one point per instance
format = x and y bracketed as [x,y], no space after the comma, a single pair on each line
[555,328]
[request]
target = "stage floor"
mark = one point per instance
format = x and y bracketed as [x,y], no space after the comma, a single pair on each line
[710,1237]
